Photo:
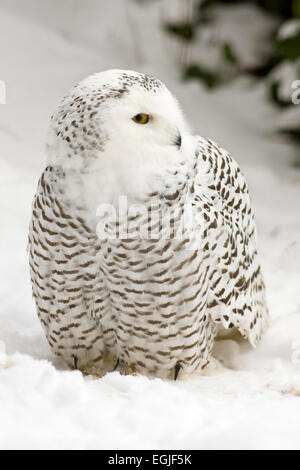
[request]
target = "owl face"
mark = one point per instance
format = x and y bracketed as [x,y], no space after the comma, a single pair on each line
[118,119]
[141,120]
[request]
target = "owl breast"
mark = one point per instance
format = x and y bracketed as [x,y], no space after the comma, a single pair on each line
[157,277]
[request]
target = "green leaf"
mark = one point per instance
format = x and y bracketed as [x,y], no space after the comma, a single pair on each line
[290,47]
[296,8]
[229,54]
[194,71]
[185,31]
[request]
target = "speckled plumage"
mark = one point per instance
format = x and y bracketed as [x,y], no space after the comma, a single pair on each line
[152,302]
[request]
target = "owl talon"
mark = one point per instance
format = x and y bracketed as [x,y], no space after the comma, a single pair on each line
[177,369]
[75,358]
[116,365]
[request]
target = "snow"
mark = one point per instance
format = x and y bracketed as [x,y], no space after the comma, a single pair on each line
[249,398]
[289,29]
[246,27]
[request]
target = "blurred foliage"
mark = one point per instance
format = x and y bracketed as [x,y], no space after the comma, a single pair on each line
[229,54]
[283,8]
[209,79]
[293,134]
[284,51]
[290,47]
[185,31]
[275,97]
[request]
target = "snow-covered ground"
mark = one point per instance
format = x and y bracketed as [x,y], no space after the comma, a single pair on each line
[253,402]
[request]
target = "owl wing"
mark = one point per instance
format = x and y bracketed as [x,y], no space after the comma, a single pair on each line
[236,287]
[66,282]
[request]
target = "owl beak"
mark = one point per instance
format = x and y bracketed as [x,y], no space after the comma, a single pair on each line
[178,140]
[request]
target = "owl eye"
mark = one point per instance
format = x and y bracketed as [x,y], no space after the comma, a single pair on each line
[141,118]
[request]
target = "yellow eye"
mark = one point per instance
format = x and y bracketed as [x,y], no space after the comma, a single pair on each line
[141,118]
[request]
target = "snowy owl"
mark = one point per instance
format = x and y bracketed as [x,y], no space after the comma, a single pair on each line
[142,241]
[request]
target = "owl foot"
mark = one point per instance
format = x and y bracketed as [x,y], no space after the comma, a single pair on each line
[116,365]
[127,369]
[124,369]
[177,369]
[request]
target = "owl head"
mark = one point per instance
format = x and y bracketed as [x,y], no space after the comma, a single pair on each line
[117,119]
